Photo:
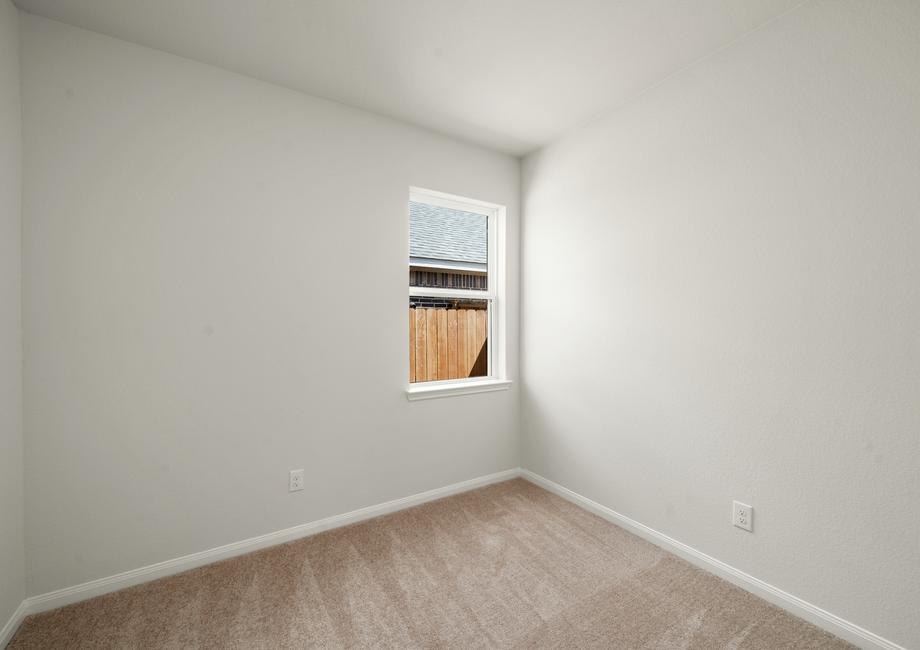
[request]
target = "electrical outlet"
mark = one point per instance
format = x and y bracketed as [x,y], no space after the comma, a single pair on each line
[295,480]
[743,516]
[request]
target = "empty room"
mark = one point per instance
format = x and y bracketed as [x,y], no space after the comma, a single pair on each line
[460,324]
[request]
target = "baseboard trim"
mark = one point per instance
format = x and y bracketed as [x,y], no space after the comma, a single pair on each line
[8,630]
[792,604]
[93,588]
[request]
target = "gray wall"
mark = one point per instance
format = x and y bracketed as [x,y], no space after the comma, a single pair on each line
[193,243]
[12,535]
[741,319]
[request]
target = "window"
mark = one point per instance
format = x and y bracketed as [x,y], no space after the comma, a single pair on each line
[456,295]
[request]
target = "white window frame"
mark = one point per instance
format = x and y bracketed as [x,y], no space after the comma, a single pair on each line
[497,378]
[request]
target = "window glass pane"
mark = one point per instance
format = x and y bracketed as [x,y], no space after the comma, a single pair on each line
[447,248]
[448,338]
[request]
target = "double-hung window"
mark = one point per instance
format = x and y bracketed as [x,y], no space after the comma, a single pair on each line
[456,295]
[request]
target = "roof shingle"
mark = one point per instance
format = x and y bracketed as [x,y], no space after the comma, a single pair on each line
[446,234]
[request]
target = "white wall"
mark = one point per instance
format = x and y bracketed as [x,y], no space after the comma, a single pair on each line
[721,301]
[12,522]
[216,293]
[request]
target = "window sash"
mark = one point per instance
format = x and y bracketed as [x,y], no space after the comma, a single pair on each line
[494,270]
[489,211]
[491,346]
[444,292]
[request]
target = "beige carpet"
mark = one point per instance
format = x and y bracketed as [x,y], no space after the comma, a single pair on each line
[506,566]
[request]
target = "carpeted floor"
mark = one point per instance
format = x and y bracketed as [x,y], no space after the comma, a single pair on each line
[505,566]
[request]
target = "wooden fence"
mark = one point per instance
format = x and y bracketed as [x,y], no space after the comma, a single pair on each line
[447,343]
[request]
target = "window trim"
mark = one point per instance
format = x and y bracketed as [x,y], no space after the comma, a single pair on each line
[451,387]
[496,378]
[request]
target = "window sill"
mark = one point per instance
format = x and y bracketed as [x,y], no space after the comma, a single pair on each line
[449,389]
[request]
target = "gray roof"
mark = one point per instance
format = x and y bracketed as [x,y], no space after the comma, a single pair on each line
[438,233]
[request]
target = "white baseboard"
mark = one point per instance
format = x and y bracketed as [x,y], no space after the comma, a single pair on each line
[8,630]
[68,595]
[792,604]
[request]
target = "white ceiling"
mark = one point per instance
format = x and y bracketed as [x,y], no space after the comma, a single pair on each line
[509,74]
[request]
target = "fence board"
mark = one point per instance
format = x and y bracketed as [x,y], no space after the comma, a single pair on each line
[411,345]
[480,363]
[442,344]
[461,343]
[431,340]
[471,348]
[452,372]
[421,363]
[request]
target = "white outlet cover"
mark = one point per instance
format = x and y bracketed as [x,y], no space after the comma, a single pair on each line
[743,516]
[295,480]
